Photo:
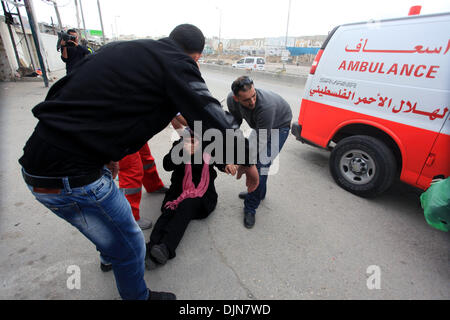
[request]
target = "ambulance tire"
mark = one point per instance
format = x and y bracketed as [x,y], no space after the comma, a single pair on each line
[373,156]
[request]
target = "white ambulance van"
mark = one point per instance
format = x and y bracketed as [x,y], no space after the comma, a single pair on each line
[378,97]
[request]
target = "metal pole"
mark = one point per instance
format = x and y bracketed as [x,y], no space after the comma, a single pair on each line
[31,19]
[78,14]
[101,21]
[220,25]
[82,17]
[57,15]
[11,34]
[287,29]
[26,40]
[117,30]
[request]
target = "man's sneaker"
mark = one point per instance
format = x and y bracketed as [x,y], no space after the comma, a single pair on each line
[249,220]
[154,295]
[105,267]
[243,194]
[144,224]
[163,189]
[160,253]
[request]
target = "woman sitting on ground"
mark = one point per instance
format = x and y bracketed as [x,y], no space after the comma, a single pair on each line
[192,195]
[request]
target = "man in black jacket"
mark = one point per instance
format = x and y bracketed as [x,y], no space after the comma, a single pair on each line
[72,51]
[108,107]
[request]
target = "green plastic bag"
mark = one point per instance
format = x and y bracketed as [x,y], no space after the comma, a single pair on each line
[436,204]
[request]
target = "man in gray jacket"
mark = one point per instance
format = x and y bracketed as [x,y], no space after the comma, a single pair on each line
[270,116]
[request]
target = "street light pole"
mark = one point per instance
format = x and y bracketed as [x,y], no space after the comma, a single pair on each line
[220,30]
[78,14]
[34,31]
[287,29]
[82,17]
[220,24]
[117,30]
[101,21]
[57,15]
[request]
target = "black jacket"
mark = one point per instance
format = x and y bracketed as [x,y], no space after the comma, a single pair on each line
[116,99]
[74,54]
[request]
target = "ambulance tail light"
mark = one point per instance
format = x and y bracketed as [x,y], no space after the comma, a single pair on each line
[320,52]
[414,10]
[316,62]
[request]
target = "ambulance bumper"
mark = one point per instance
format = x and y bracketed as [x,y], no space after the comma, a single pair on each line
[296,130]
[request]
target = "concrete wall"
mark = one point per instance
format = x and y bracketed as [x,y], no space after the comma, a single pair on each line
[52,57]
[8,62]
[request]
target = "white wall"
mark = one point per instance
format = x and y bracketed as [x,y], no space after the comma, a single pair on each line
[8,61]
[52,57]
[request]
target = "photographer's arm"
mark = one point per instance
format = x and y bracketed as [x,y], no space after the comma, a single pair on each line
[64,55]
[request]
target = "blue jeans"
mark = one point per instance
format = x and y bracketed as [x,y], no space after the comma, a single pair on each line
[102,214]
[253,199]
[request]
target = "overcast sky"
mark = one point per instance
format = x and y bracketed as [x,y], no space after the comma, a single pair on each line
[235,18]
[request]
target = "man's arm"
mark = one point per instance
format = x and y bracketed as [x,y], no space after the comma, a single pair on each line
[113,166]
[179,122]
[233,108]
[190,95]
[85,50]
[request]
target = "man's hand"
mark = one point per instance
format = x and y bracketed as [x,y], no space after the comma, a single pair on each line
[231,169]
[252,177]
[114,168]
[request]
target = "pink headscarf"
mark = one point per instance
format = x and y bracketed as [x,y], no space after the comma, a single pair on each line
[189,189]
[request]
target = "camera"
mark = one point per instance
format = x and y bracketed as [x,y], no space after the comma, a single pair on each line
[66,37]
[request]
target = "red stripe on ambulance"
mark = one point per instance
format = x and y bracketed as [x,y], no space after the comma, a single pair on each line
[415,144]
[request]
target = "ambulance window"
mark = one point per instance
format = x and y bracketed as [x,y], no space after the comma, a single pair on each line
[249,60]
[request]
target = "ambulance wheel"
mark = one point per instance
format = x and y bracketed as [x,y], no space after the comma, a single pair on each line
[363,165]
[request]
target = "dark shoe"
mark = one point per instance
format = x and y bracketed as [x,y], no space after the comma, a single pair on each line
[160,253]
[163,189]
[154,295]
[105,267]
[150,264]
[249,220]
[243,194]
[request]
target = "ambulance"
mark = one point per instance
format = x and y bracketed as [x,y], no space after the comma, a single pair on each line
[378,97]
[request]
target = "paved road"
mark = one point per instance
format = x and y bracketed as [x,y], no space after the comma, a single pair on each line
[312,240]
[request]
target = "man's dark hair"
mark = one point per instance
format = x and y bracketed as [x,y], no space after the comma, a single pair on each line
[72,31]
[189,38]
[242,83]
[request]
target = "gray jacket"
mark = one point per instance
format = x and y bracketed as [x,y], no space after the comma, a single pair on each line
[271,111]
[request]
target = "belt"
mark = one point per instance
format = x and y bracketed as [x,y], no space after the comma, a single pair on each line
[58,183]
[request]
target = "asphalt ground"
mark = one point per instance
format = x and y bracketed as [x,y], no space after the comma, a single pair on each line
[312,240]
